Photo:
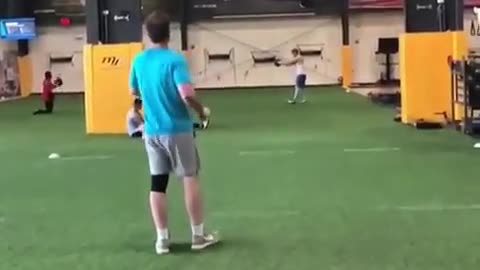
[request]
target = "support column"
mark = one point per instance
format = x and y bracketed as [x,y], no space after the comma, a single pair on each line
[183,6]
[347,66]
[114,36]
[184,21]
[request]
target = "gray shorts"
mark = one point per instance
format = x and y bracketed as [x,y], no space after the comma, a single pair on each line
[173,154]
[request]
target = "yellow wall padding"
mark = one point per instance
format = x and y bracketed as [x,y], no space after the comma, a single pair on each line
[460,45]
[25,71]
[107,95]
[347,66]
[88,82]
[425,76]
[460,50]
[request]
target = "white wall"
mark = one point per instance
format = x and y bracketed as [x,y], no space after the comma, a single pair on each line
[67,41]
[61,42]
[365,30]
[7,46]
[273,34]
[474,40]
[245,36]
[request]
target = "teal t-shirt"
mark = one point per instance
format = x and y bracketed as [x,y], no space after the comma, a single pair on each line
[155,75]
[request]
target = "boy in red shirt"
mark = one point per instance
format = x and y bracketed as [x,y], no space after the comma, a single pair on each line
[48,97]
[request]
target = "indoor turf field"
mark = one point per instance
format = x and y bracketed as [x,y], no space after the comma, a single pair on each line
[334,184]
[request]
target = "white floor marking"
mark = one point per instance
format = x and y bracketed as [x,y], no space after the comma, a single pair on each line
[10,99]
[433,208]
[256,214]
[374,150]
[80,158]
[267,152]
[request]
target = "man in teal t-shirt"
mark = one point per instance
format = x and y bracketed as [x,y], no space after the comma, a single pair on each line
[160,77]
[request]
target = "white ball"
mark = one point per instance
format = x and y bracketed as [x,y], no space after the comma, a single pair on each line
[54,156]
[477,146]
[207,111]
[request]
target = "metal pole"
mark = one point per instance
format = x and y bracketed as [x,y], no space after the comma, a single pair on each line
[184,6]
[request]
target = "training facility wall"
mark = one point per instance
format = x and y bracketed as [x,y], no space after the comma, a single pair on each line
[216,37]
[59,42]
[245,36]
[56,42]
[10,71]
[280,35]
[7,45]
[367,28]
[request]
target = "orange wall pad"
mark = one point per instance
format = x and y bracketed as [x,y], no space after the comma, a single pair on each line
[107,95]
[347,67]
[25,71]
[425,76]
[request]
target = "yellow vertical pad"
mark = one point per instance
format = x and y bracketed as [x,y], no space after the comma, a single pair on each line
[25,71]
[425,76]
[347,67]
[107,96]
[88,82]
[460,45]
[460,50]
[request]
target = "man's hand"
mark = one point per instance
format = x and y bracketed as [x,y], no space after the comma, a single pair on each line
[187,93]
[193,103]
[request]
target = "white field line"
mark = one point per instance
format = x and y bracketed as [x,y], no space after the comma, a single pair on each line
[371,150]
[80,158]
[256,214]
[433,208]
[267,152]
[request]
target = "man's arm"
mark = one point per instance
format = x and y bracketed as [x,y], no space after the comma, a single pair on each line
[187,92]
[133,82]
[291,62]
[51,85]
[185,88]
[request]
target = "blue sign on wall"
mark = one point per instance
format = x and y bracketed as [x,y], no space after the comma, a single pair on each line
[18,29]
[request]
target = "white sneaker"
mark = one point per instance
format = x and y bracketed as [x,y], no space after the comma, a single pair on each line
[477,146]
[203,242]
[162,247]
[206,124]
[291,101]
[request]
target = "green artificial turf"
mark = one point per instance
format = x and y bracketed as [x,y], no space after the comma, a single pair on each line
[277,181]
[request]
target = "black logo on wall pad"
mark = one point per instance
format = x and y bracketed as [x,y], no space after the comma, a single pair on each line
[111,61]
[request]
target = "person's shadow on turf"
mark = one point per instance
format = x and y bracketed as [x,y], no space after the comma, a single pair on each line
[183,248]
[176,248]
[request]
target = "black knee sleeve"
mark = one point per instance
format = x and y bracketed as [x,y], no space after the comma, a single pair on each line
[159,183]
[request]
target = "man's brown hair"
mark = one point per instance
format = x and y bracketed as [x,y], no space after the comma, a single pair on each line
[158,27]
